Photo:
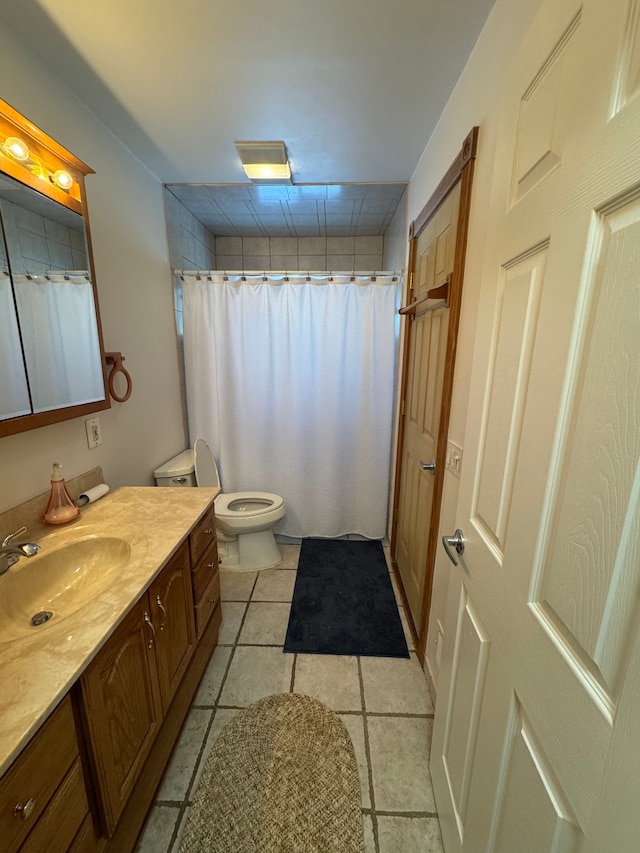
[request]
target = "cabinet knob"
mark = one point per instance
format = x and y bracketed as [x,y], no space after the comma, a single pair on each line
[214,601]
[24,810]
[208,531]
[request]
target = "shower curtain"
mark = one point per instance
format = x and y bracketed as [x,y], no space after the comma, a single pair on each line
[291,380]
[60,338]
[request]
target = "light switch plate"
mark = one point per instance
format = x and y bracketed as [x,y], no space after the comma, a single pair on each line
[454,458]
[94,433]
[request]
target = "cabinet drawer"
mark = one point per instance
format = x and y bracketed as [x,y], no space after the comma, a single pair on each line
[203,572]
[203,535]
[207,604]
[36,774]
[62,818]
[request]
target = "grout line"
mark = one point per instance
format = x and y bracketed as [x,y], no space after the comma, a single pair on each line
[410,815]
[367,750]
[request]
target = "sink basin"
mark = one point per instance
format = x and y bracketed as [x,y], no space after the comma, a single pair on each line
[58,582]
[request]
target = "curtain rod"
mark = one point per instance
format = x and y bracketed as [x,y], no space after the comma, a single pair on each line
[295,273]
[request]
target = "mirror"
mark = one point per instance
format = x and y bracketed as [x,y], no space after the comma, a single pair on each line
[51,354]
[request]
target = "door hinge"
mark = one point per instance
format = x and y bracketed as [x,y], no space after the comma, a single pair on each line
[402,408]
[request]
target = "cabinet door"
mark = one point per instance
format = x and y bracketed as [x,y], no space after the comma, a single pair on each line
[122,709]
[172,613]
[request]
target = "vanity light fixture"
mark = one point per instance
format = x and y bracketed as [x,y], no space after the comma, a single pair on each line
[16,148]
[62,179]
[265,162]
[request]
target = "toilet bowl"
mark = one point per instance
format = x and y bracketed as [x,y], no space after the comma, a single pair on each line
[244,520]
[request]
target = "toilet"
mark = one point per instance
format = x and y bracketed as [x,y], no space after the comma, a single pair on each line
[244,520]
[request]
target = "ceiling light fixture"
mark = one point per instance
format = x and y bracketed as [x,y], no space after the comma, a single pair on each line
[265,162]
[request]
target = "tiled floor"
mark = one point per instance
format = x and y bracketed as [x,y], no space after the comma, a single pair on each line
[383,702]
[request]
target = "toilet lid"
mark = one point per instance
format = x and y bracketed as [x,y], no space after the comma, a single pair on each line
[205,465]
[264,502]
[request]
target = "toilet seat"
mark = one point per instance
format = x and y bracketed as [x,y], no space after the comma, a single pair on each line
[244,520]
[247,504]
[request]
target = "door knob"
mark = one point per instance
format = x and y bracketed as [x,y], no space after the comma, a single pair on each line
[456,541]
[429,466]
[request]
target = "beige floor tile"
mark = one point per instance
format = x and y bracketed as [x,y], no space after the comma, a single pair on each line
[265,624]
[209,688]
[256,672]
[354,724]
[399,748]
[369,841]
[274,585]
[333,679]
[232,613]
[177,778]
[409,835]
[236,586]
[222,717]
[290,555]
[395,686]
[158,829]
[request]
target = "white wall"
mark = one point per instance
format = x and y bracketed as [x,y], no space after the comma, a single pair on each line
[470,104]
[134,290]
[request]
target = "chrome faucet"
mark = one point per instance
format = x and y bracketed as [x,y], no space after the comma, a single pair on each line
[10,554]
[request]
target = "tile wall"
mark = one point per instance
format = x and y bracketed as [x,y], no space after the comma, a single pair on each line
[300,253]
[191,247]
[38,244]
[396,238]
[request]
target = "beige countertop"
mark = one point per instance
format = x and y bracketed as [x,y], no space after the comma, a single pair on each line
[37,670]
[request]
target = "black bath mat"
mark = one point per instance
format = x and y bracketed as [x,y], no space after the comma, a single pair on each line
[343,602]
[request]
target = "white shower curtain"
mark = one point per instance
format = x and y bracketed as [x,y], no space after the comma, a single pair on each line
[291,383]
[60,339]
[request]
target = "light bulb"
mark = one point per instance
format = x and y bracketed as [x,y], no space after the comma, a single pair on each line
[16,148]
[62,179]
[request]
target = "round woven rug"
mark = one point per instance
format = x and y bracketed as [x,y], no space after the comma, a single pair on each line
[281,778]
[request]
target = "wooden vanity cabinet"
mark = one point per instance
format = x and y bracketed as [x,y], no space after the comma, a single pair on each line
[129,687]
[121,710]
[43,801]
[136,693]
[86,780]
[205,580]
[172,617]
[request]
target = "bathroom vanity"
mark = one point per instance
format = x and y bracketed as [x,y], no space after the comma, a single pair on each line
[94,699]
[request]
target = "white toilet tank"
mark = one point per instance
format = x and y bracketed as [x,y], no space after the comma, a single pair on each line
[179,471]
[193,467]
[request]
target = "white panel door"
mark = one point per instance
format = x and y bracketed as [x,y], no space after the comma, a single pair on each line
[536,743]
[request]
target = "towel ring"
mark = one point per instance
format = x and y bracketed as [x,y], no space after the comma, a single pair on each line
[116,359]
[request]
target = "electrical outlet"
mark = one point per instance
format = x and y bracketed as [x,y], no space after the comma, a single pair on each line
[454,459]
[94,433]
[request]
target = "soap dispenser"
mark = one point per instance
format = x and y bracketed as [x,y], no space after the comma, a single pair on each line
[61,507]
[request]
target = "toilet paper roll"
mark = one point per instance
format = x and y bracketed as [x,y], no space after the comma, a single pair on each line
[93,494]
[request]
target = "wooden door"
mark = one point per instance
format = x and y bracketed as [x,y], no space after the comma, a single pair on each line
[122,711]
[172,615]
[535,744]
[433,262]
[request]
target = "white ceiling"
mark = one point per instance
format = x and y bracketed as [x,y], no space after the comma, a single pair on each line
[354,87]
